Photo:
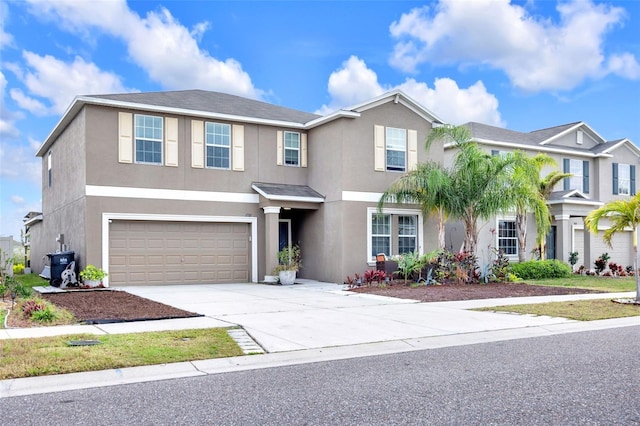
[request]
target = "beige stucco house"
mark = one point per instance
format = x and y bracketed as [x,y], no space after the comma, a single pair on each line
[601,171]
[203,187]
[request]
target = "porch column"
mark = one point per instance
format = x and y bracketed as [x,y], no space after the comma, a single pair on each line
[563,238]
[271,238]
[589,249]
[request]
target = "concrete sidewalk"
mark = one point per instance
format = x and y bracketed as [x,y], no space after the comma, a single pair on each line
[308,322]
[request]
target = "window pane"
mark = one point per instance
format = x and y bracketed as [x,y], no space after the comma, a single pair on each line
[291,157]
[380,234]
[396,145]
[148,132]
[508,237]
[575,168]
[624,179]
[218,142]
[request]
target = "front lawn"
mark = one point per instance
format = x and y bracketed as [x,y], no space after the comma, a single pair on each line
[583,310]
[608,284]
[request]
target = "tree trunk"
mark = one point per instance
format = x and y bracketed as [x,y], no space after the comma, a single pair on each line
[471,238]
[441,240]
[521,226]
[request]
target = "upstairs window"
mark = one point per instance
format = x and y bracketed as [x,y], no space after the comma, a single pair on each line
[624,179]
[218,145]
[292,148]
[49,177]
[396,147]
[580,171]
[148,137]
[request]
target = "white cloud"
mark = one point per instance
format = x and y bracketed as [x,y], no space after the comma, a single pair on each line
[456,105]
[6,39]
[354,82]
[59,82]
[18,163]
[8,130]
[535,53]
[18,200]
[174,59]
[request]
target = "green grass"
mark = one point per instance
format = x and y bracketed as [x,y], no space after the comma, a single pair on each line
[584,310]
[608,284]
[53,355]
[31,280]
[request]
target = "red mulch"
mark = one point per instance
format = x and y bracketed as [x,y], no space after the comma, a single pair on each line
[440,293]
[102,306]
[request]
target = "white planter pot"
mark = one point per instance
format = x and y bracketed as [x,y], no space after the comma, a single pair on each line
[287,277]
[92,283]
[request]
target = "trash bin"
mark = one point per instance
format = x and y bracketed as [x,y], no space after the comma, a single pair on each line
[58,262]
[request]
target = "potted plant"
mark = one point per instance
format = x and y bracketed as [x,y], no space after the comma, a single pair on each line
[92,276]
[288,264]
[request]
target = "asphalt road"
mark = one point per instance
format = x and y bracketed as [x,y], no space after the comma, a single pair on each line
[571,379]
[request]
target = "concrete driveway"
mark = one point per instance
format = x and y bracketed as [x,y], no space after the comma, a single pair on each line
[319,315]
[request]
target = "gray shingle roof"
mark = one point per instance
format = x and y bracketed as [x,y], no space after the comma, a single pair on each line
[279,190]
[214,102]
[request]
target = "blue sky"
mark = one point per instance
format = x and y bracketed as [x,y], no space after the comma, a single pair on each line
[524,65]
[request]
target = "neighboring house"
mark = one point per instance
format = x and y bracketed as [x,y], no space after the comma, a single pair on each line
[203,187]
[601,171]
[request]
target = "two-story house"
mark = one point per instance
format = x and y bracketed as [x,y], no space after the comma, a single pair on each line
[601,171]
[203,187]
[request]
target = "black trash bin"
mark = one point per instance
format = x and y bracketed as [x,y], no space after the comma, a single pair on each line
[59,262]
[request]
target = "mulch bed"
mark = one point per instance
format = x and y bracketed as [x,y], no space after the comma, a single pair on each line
[104,306]
[448,292]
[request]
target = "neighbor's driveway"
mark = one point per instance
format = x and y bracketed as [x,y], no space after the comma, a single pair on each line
[320,315]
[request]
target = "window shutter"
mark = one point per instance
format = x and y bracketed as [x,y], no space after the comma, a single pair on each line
[632,172]
[238,147]
[125,137]
[585,177]
[379,149]
[197,144]
[567,181]
[171,142]
[615,178]
[412,150]
[280,149]
[303,150]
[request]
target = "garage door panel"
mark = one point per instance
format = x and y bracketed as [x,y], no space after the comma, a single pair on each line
[175,252]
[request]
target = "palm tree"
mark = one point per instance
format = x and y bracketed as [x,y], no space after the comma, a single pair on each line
[428,185]
[622,214]
[479,181]
[526,195]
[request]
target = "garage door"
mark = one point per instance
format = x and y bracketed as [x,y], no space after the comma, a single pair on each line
[621,251]
[153,253]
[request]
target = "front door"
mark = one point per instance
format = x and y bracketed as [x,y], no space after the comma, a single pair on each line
[551,243]
[284,231]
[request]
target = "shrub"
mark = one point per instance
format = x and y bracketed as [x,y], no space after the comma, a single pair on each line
[541,269]
[43,315]
[30,306]
[18,268]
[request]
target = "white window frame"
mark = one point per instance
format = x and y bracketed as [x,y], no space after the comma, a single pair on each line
[372,211]
[207,144]
[392,143]
[576,168]
[498,237]
[626,179]
[136,138]
[291,149]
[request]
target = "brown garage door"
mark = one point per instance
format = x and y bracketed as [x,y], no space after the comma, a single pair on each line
[152,253]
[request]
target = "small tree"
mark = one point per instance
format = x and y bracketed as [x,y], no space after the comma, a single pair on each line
[622,214]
